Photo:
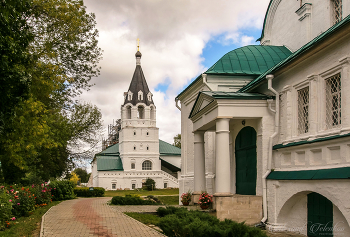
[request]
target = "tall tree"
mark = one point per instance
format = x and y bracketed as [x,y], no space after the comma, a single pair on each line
[51,127]
[15,36]
[83,175]
[177,141]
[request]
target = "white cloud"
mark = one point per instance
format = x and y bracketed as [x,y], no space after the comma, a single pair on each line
[173,35]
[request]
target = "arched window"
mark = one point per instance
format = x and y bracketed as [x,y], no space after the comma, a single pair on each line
[140,112]
[152,113]
[128,112]
[147,165]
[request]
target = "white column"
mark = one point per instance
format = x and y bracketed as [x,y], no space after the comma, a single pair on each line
[199,162]
[222,153]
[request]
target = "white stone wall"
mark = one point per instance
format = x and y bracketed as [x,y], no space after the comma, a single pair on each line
[288,202]
[288,24]
[124,179]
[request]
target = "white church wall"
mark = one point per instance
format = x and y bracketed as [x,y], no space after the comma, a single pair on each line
[287,201]
[291,25]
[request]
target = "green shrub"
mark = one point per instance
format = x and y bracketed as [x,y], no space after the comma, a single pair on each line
[161,211]
[62,190]
[42,193]
[23,202]
[5,207]
[150,184]
[195,223]
[86,192]
[131,200]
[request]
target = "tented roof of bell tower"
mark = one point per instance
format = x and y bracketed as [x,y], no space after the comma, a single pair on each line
[138,83]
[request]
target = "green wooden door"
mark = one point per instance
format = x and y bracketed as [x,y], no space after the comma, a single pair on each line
[245,153]
[319,215]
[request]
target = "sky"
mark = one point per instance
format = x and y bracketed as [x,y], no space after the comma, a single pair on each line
[179,40]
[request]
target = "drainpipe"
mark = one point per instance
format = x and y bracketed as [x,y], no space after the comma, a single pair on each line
[269,162]
[176,104]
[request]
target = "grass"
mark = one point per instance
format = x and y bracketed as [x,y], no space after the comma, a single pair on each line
[145,218]
[169,200]
[142,192]
[27,226]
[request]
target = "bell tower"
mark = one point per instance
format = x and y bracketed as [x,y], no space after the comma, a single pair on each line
[139,136]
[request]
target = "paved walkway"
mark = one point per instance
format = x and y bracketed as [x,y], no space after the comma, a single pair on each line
[93,217]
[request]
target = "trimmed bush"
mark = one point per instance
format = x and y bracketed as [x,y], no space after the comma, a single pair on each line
[195,223]
[85,192]
[62,190]
[131,200]
[149,185]
[161,211]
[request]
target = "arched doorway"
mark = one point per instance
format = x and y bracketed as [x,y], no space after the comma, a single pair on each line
[319,215]
[245,154]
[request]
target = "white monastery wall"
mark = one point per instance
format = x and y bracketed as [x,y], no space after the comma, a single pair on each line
[283,27]
[288,202]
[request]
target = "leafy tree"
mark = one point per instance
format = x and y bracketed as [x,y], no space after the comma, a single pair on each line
[177,141]
[50,128]
[15,36]
[150,184]
[83,175]
[75,178]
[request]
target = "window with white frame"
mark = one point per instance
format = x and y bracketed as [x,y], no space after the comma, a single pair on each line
[147,165]
[303,110]
[132,166]
[337,7]
[114,186]
[165,185]
[333,101]
[140,95]
[128,112]
[133,186]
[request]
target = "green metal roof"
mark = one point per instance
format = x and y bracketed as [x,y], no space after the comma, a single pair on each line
[168,149]
[236,95]
[297,53]
[249,60]
[335,173]
[164,149]
[280,146]
[114,149]
[105,163]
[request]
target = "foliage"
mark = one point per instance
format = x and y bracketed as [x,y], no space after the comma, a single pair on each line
[150,184]
[74,177]
[161,211]
[205,199]
[85,192]
[195,223]
[24,226]
[50,129]
[177,141]
[82,174]
[23,202]
[15,36]
[42,193]
[5,207]
[131,200]
[62,190]
[186,197]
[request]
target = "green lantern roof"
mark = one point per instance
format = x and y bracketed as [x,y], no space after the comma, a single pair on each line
[249,60]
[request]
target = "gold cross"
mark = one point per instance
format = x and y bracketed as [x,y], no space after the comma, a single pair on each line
[138,44]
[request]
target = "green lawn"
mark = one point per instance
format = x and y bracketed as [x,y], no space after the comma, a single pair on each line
[145,218]
[142,192]
[27,226]
[169,200]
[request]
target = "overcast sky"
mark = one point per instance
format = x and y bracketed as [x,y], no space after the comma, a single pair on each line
[179,39]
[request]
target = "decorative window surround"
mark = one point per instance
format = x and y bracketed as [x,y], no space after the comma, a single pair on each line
[337,8]
[304,11]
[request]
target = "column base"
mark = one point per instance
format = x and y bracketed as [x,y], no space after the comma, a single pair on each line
[276,227]
[195,197]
